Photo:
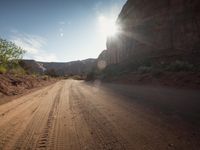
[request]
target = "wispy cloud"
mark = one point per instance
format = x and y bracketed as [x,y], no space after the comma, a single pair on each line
[33,45]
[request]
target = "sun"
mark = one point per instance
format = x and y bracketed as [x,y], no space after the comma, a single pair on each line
[108,27]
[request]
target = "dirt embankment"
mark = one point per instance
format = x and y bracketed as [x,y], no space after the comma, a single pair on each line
[11,85]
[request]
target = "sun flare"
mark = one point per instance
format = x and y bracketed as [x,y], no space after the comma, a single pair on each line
[108,27]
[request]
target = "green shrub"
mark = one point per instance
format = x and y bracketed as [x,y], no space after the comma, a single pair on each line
[180,66]
[9,57]
[17,70]
[144,69]
[2,70]
[136,65]
[10,53]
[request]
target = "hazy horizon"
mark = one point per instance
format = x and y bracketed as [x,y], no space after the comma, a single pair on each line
[62,31]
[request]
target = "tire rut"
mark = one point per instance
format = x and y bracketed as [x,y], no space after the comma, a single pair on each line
[31,138]
[102,131]
[10,130]
[37,95]
[44,139]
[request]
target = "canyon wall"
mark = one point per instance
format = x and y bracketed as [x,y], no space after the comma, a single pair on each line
[160,29]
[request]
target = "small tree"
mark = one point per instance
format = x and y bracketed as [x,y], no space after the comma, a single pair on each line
[10,54]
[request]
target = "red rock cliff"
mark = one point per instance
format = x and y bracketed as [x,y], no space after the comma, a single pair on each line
[161,29]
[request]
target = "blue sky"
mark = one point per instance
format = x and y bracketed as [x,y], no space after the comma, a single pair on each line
[57,30]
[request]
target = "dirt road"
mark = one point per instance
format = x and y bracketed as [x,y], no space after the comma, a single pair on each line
[74,115]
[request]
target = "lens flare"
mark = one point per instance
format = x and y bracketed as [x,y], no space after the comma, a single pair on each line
[108,27]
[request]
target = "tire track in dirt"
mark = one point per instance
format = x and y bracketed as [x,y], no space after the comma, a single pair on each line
[15,122]
[36,127]
[54,134]
[64,133]
[44,138]
[102,131]
[35,96]
[73,116]
[9,130]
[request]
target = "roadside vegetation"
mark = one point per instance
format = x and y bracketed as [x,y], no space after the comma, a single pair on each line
[14,78]
[147,66]
[10,54]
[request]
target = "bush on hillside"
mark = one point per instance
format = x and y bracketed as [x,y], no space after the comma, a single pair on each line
[2,69]
[180,66]
[10,54]
[18,70]
[144,69]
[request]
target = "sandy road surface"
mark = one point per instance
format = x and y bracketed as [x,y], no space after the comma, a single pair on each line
[74,115]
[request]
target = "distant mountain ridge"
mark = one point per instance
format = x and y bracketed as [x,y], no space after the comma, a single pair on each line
[60,68]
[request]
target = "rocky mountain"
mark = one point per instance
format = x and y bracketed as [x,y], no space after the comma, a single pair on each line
[60,69]
[164,30]
[31,66]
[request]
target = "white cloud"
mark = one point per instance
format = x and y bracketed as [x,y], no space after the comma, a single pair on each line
[33,45]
